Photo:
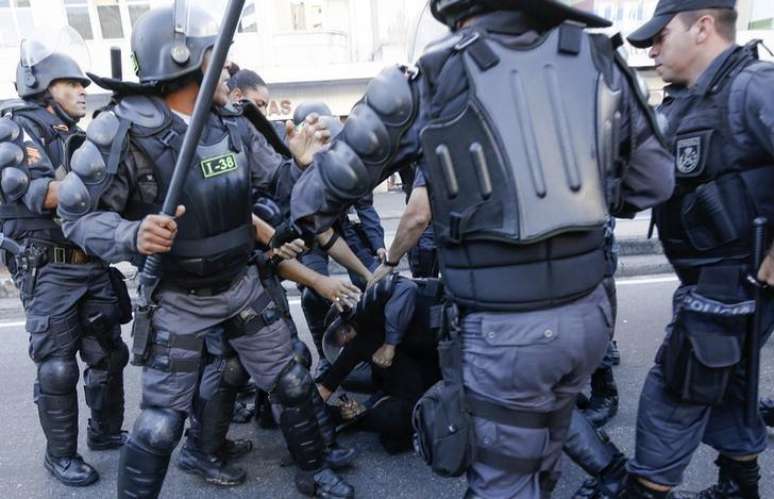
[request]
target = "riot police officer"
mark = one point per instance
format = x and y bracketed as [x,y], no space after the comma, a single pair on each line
[719,107]
[73,301]
[519,194]
[119,179]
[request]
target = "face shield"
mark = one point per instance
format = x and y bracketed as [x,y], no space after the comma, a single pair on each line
[428,30]
[44,42]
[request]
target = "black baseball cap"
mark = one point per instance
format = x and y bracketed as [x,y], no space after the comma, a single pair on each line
[665,11]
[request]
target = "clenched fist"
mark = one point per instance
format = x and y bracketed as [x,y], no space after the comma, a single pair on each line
[157,233]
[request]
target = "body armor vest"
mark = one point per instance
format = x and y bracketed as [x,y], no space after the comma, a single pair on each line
[722,185]
[519,178]
[43,138]
[215,236]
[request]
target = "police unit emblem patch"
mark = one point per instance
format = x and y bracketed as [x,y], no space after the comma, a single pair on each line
[218,165]
[688,155]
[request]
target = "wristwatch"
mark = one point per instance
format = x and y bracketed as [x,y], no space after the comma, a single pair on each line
[388,263]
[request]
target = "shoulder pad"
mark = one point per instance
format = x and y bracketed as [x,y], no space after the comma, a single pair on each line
[390,95]
[74,197]
[88,163]
[10,154]
[9,130]
[145,111]
[15,105]
[103,129]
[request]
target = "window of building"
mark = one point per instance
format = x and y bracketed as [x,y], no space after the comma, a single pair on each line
[136,8]
[248,24]
[300,15]
[16,19]
[79,18]
[109,15]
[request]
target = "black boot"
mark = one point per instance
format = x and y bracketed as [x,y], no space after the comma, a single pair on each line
[604,397]
[72,471]
[767,412]
[323,484]
[212,467]
[592,450]
[636,490]
[614,353]
[59,419]
[234,449]
[736,480]
[99,437]
[105,397]
[609,485]
[140,473]
[295,392]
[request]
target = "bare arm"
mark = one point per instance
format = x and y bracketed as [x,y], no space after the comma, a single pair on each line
[342,253]
[412,224]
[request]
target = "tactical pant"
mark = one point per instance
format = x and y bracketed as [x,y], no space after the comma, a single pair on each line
[670,430]
[180,325]
[529,363]
[74,308]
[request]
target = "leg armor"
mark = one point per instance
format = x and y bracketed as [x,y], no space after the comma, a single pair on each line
[145,457]
[103,381]
[58,405]
[594,453]
[214,412]
[294,390]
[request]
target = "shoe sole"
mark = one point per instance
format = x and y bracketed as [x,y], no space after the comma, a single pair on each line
[50,469]
[214,481]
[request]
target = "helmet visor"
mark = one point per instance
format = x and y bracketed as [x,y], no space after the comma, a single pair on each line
[45,42]
[427,31]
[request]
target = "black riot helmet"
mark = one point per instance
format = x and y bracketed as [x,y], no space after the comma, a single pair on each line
[170,42]
[306,108]
[551,12]
[44,60]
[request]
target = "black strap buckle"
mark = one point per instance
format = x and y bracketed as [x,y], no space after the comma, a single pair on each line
[60,254]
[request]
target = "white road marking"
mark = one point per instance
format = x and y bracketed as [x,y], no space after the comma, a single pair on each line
[649,280]
[12,324]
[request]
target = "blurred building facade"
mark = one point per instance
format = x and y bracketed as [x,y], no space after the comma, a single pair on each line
[306,49]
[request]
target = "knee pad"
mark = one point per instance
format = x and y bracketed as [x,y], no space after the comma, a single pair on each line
[57,376]
[301,353]
[234,373]
[119,358]
[158,430]
[294,386]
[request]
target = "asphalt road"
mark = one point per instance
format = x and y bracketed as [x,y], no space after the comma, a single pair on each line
[644,310]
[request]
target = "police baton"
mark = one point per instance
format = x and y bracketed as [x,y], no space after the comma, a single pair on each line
[753,345]
[151,272]
[116,71]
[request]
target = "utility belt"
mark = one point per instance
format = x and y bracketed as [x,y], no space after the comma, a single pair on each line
[40,252]
[443,418]
[152,348]
[705,346]
[212,289]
